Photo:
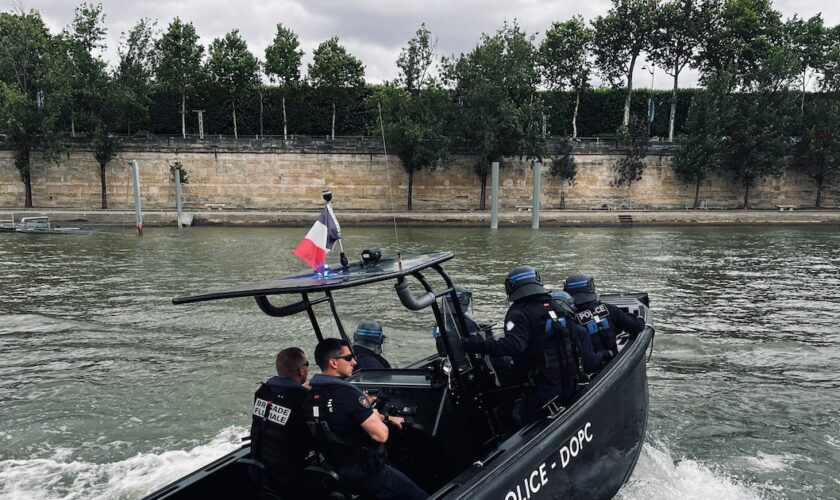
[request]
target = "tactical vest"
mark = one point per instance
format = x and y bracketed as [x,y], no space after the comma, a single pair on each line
[551,354]
[595,317]
[356,448]
[278,432]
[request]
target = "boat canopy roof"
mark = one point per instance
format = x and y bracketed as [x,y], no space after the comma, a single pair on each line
[357,274]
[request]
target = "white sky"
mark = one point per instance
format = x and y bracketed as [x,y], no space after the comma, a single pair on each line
[372,30]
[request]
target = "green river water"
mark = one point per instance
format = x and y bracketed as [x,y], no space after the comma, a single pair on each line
[107,390]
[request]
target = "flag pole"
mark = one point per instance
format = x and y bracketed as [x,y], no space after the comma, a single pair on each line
[345,264]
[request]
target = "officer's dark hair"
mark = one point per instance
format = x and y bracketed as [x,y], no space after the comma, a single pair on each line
[328,349]
[289,360]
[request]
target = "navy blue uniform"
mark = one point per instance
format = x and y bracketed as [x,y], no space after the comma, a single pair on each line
[531,339]
[355,457]
[604,322]
[365,358]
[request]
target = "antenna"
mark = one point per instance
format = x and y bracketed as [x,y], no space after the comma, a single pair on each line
[390,194]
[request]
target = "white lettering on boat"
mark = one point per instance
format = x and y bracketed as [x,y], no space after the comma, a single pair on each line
[530,485]
[571,450]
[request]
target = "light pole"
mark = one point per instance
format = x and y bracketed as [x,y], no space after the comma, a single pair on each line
[650,69]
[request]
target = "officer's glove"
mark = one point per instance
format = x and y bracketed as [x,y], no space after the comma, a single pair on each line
[474,344]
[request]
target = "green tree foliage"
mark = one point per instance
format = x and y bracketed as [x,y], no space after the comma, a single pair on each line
[495,91]
[700,151]
[179,63]
[83,39]
[564,54]
[416,111]
[680,25]
[635,141]
[808,40]
[563,166]
[233,69]
[31,94]
[620,37]
[282,64]
[135,70]
[336,73]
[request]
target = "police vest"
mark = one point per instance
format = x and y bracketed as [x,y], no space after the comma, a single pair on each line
[551,354]
[595,317]
[278,431]
[355,448]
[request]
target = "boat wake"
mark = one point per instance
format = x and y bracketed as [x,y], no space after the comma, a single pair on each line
[657,475]
[135,477]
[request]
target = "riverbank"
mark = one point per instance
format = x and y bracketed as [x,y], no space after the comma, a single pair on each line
[548,218]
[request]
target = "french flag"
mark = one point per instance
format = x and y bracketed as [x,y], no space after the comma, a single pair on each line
[319,240]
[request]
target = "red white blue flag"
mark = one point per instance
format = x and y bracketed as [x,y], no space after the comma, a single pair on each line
[319,240]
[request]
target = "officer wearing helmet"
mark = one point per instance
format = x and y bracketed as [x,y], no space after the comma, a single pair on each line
[590,359]
[538,337]
[464,298]
[602,321]
[367,345]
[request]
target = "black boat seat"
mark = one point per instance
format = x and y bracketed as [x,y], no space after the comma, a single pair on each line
[322,483]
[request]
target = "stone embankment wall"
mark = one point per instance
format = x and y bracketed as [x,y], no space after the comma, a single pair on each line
[363,179]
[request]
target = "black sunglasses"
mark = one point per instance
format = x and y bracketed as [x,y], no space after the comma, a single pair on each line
[347,357]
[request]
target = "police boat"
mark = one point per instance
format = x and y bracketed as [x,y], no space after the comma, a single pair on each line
[458,441]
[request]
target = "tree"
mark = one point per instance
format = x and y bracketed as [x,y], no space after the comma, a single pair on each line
[136,68]
[679,29]
[32,96]
[233,68]
[564,56]
[563,166]
[418,112]
[494,85]
[82,38]
[808,41]
[282,64]
[620,38]
[335,72]
[635,141]
[700,151]
[179,64]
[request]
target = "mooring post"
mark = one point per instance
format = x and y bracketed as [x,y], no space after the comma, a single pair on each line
[535,208]
[138,213]
[494,205]
[180,214]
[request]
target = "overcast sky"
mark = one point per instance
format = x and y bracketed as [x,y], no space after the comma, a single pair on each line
[372,30]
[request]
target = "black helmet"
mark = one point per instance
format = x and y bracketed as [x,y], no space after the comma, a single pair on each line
[564,301]
[464,296]
[523,281]
[369,334]
[581,287]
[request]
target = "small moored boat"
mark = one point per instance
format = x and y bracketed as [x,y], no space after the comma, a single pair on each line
[41,225]
[459,442]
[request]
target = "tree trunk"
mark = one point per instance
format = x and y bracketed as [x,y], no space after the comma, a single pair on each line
[629,92]
[104,185]
[183,115]
[562,193]
[629,192]
[285,133]
[697,192]
[673,109]
[27,184]
[261,112]
[72,127]
[333,122]
[746,196]
[802,104]
[410,187]
[574,115]
[233,108]
[819,194]
[482,204]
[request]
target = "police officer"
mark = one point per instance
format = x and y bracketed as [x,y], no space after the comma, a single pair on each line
[280,439]
[590,359]
[603,321]
[540,343]
[367,345]
[349,432]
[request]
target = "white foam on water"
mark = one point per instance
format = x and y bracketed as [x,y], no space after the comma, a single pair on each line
[659,477]
[54,478]
[771,462]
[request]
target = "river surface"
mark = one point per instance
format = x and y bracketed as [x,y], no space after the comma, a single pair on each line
[107,390]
